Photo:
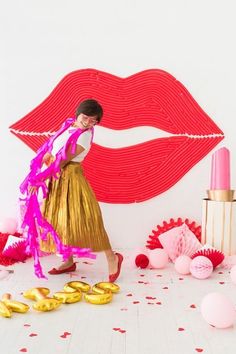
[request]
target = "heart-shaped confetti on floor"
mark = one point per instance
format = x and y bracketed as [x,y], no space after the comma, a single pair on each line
[27,325]
[180,329]
[65,335]
[33,335]
[199,350]
[192,306]
[23,350]
[136,302]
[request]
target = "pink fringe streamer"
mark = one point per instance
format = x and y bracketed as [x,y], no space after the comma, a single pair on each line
[33,219]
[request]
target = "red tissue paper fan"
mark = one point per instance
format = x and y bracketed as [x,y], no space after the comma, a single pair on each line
[153,241]
[216,257]
[14,253]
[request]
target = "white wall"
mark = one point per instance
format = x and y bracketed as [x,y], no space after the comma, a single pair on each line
[194,40]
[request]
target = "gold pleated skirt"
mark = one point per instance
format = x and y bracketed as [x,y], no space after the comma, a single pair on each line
[72,209]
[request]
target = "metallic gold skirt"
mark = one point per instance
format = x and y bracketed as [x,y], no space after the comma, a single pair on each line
[72,209]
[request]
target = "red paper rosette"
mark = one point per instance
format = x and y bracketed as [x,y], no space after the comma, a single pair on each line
[6,260]
[216,257]
[153,241]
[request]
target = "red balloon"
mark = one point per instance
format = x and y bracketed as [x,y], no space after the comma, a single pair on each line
[141,261]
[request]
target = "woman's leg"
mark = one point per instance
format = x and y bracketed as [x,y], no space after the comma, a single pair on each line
[67,263]
[112,261]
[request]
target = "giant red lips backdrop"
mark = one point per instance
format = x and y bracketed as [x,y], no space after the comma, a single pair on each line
[149,98]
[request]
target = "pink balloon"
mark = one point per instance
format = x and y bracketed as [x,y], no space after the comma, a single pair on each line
[8,226]
[158,258]
[182,264]
[233,274]
[218,310]
[201,267]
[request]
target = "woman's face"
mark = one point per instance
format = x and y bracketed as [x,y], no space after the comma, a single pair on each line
[86,122]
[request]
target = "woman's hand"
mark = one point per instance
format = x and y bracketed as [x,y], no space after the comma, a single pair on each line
[32,190]
[48,159]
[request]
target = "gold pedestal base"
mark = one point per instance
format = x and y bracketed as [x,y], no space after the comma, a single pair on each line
[219,225]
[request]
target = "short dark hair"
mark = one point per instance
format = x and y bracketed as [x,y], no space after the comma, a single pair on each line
[90,108]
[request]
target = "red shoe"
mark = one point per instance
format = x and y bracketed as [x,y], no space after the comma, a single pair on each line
[55,271]
[113,277]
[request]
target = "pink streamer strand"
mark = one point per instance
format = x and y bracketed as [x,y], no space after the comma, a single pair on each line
[34,224]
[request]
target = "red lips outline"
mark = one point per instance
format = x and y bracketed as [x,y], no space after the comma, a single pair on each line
[149,98]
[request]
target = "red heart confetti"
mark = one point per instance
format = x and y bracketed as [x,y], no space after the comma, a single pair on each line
[181,278]
[192,306]
[165,287]
[116,328]
[150,303]
[180,329]
[150,298]
[23,350]
[221,282]
[129,294]
[159,275]
[27,325]
[136,302]
[33,335]
[158,303]
[65,334]
[199,350]
[122,331]
[83,277]
[142,275]
[220,272]
[141,282]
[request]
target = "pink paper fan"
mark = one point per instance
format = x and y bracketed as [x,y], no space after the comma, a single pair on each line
[216,257]
[179,241]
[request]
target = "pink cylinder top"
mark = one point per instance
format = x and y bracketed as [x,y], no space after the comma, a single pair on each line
[220,169]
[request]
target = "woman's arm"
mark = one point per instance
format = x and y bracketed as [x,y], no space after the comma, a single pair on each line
[70,156]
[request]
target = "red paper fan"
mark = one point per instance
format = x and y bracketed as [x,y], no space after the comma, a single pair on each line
[17,251]
[216,257]
[5,260]
[153,241]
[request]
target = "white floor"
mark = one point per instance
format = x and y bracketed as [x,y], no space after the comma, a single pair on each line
[156,311]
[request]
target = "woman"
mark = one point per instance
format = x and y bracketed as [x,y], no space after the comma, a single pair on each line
[71,206]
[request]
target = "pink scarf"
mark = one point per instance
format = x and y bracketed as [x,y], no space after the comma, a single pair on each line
[33,219]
